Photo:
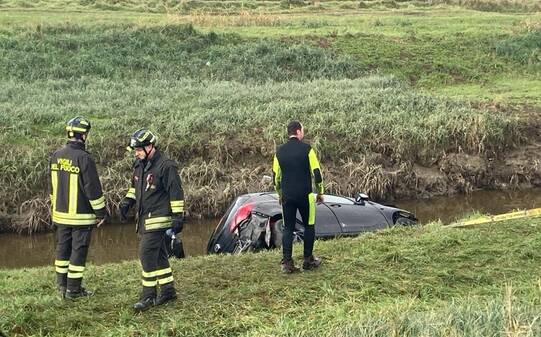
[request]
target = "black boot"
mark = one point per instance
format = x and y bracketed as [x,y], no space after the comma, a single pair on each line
[288,267]
[167,293]
[311,262]
[82,292]
[144,304]
[62,284]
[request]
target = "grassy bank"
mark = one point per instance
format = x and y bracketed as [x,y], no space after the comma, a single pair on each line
[478,281]
[399,102]
[167,52]
[224,133]
[447,50]
[235,6]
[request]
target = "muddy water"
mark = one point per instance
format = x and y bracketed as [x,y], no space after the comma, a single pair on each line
[118,242]
[109,243]
[449,209]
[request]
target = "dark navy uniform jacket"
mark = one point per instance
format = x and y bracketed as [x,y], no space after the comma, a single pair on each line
[76,194]
[157,190]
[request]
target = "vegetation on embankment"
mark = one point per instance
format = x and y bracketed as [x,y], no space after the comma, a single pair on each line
[420,281]
[224,134]
[219,100]
[447,50]
[169,52]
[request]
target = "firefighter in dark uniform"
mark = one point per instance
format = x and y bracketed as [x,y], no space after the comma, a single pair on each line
[156,191]
[77,206]
[294,165]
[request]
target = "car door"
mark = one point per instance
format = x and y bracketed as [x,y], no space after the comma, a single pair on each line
[327,224]
[355,218]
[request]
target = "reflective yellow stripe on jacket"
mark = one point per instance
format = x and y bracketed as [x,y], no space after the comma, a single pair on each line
[315,169]
[98,203]
[74,219]
[157,223]
[177,206]
[131,193]
[54,188]
[277,176]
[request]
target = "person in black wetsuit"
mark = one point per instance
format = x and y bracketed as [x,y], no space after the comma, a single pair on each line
[294,165]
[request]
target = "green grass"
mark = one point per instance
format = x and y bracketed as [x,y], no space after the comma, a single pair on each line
[164,52]
[524,48]
[503,90]
[380,85]
[479,281]
[233,6]
[431,48]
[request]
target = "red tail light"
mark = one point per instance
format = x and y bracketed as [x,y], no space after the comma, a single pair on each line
[242,213]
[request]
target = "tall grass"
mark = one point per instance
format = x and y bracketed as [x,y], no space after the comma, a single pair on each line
[524,48]
[435,60]
[224,133]
[219,103]
[242,19]
[496,5]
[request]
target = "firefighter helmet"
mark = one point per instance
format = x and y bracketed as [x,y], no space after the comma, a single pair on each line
[142,138]
[77,126]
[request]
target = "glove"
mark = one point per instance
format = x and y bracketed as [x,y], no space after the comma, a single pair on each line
[102,217]
[124,208]
[177,224]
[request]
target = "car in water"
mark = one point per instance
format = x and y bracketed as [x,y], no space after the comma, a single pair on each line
[254,222]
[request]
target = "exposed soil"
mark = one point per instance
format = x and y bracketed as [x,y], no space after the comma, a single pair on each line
[452,173]
[519,168]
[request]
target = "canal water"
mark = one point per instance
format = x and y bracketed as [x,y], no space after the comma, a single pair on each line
[117,242]
[109,243]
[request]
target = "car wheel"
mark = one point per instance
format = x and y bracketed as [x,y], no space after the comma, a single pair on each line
[277,230]
[405,221]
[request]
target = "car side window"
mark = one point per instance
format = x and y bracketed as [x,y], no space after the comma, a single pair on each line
[332,199]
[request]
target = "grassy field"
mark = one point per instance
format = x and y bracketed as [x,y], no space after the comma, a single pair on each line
[234,6]
[422,281]
[382,87]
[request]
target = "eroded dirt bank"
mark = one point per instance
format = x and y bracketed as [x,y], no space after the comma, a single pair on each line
[211,187]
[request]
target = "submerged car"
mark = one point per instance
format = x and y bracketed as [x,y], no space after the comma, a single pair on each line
[254,221]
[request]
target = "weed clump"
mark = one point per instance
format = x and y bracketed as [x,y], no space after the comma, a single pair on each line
[524,48]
